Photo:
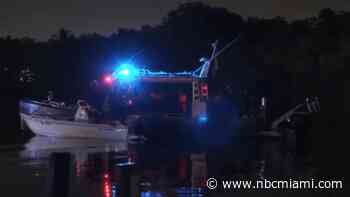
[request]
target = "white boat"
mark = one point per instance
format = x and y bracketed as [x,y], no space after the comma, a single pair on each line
[47,108]
[46,126]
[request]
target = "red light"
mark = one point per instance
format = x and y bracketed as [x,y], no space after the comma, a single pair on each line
[204,90]
[106,185]
[183,98]
[108,79]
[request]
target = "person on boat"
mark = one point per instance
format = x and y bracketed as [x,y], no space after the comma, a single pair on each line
[85,112]
[50,96]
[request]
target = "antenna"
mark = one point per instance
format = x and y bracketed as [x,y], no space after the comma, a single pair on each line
[228,45]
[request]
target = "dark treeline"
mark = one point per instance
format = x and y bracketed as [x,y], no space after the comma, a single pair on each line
[285,61]
[273,56]
[282,60]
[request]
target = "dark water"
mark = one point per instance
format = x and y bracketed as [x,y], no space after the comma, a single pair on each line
[83,167]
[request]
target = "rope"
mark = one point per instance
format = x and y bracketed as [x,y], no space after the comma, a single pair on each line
[227,46]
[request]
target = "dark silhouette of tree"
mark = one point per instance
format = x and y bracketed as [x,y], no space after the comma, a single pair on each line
[282,60]
[62,35]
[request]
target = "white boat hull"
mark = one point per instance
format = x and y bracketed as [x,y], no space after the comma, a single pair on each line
[68,129]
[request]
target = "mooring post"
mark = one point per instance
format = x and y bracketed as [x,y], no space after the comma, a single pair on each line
[261,116]
[22,124]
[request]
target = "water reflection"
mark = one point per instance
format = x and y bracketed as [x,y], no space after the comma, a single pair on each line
[102,168]
[38,147]
[87,167]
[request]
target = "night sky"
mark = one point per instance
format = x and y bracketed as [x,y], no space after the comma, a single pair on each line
[41,18]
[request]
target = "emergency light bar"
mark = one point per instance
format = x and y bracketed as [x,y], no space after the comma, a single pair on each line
[129,72]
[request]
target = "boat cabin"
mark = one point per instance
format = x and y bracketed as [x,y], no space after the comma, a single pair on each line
[168,96]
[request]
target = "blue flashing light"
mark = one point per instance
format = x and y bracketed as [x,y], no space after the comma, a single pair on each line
[203,119]
[126,72]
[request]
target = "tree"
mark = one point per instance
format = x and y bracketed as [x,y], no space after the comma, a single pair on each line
[63,35]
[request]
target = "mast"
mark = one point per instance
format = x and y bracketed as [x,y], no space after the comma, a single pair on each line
[206,66]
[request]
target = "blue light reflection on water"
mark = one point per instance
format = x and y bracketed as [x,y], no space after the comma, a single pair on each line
[190,192]
[152,194]
[96,151]
[180,192]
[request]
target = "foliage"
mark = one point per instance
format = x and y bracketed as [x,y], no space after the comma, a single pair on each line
[282,60]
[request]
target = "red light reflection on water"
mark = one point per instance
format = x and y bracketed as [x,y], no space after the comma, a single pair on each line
[106,185]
